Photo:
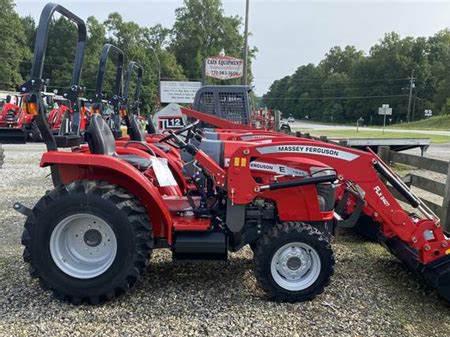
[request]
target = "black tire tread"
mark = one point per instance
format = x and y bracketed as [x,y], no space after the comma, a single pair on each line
[2,156]
[136,214]
[35,132]
[276,232]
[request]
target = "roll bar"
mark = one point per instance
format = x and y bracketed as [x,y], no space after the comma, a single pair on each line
[109,49]
[40,45]
[133,67]
[35,85]
[116,100]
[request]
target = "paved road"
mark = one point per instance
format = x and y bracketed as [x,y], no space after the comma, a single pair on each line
[298,125]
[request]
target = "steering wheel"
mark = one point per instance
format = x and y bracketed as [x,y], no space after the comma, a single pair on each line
[175,135]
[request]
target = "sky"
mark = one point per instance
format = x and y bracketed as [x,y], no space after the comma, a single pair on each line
[287,33]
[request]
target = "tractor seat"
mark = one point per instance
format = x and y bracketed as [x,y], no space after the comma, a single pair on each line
[134,131]
[136,134]
[163,147]
[214,149]
[101,141]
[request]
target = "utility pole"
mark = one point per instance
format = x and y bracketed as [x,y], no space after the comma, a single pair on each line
[412,85]
[244,78]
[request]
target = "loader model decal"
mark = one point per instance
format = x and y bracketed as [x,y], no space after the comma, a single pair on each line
[380,195]
[278,169]
[317,150]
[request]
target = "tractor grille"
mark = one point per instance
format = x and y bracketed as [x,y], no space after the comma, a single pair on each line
[10,116]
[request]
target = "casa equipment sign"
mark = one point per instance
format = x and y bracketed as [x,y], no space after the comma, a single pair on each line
[179,92]
[224,67]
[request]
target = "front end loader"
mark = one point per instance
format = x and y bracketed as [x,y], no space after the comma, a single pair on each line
[89,239]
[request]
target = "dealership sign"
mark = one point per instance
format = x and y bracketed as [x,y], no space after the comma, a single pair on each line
[224,67]
[179,92]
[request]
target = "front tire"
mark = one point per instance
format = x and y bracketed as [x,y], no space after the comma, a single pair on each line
[87,242]
[293,262]
[35,133]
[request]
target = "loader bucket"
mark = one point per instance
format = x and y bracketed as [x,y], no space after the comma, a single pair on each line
[436,274]
[12,136]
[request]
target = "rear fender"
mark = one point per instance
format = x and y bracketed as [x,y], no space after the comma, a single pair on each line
[175,165]
[77,166]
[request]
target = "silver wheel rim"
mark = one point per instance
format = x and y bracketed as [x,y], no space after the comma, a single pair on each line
[295,266]
[83,246]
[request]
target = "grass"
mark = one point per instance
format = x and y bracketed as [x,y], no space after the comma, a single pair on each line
[433,123]
[364,133]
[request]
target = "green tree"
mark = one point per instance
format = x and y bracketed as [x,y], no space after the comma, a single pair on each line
[201,30]
[339,60]
[29,27]
[94,46]
[13,49]
[347,84]
[146,46]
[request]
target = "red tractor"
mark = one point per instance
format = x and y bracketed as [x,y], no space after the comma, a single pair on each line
[17,121]
[90,238]
[59,108]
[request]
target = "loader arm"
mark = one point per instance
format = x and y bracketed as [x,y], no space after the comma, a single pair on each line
[359,171]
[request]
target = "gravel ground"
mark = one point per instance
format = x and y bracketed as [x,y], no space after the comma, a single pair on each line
[371,293]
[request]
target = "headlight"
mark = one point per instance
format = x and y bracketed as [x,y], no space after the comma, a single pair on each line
[321,171]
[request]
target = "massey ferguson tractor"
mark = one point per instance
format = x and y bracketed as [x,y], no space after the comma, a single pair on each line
[90,238]
[17,121]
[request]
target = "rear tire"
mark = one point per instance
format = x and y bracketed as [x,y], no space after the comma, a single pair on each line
[293,262]
[35,132]
[57,247]
[285,128]
[2,156]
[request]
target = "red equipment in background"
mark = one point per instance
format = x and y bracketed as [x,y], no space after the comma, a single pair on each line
[63,114]
[17,121]
[57,113]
